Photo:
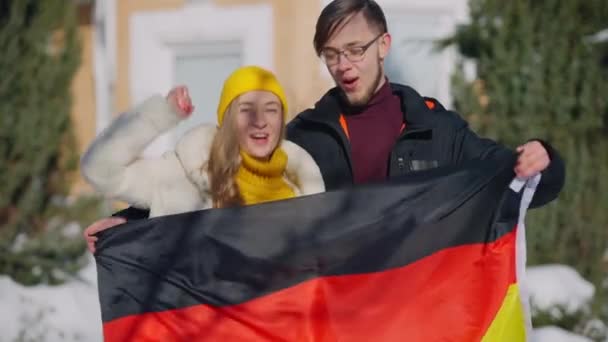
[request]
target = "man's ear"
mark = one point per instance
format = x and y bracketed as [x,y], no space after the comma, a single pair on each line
[384,44]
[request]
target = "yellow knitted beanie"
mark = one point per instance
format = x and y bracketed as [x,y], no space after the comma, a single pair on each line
[248,78]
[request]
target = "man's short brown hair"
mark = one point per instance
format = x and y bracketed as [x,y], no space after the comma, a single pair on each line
[334,14]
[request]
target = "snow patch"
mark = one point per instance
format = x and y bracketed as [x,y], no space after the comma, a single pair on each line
[72,230]
[68,312]
[555,334]
[558,286]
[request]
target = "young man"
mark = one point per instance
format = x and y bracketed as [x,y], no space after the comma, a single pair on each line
[366,129]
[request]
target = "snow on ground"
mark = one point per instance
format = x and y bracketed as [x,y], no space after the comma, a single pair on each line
[69,312]
[558,285]
[552,286]
[555,334]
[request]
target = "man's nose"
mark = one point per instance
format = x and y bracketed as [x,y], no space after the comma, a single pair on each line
[343,62]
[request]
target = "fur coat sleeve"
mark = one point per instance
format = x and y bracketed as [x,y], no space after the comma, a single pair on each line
[112,163]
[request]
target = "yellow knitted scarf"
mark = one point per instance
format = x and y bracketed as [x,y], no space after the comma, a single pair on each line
[262,181]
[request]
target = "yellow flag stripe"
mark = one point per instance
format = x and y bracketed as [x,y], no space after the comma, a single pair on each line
[508,325]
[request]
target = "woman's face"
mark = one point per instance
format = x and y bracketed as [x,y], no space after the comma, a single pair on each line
[259,123]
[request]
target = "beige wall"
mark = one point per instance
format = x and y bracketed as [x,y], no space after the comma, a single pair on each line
[83,92]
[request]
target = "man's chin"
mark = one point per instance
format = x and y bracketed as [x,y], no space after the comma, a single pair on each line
[356,100]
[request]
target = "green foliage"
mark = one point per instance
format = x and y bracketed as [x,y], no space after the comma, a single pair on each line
[40,54]
[539,75]
[57,253]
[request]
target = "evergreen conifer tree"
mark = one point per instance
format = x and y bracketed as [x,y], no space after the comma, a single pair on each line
[40,54]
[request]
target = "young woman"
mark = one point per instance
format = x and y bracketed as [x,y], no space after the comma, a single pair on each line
[241,161]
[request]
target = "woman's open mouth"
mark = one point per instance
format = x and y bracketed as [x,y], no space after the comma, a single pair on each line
[259,138]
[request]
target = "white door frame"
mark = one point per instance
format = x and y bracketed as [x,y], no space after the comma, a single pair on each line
[104,61]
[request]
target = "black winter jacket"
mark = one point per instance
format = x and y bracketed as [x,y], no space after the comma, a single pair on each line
[432,138]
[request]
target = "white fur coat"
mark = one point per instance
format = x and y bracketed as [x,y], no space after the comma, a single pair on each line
[174,182]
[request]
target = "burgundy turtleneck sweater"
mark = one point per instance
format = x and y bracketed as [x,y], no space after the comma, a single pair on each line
[373,131]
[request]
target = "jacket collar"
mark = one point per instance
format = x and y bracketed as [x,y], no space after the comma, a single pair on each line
[416,114]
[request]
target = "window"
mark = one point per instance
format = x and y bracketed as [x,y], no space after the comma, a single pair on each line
[203,67]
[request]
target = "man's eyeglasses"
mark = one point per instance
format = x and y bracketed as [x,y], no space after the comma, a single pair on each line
[331,56]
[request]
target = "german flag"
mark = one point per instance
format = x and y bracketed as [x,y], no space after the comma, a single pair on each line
[435,256]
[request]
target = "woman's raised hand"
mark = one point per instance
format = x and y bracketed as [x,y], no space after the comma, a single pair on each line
[180,99]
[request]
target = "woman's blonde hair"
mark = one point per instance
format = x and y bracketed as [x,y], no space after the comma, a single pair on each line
[225,160]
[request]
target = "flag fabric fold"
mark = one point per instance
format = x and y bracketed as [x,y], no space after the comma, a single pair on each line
[434,256]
